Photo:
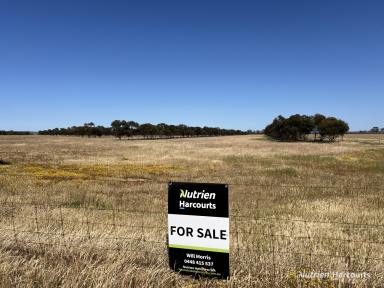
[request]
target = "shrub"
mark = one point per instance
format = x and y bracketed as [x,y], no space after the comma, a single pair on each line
[4,162]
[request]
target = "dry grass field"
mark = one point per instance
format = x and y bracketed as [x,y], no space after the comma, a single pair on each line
[86,212]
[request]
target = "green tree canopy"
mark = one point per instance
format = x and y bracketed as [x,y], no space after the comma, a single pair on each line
[332,128]
[298,127]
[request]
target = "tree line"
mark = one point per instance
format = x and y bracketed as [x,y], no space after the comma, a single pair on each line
[376,130]
[127,129]
[298,127]
[12,132]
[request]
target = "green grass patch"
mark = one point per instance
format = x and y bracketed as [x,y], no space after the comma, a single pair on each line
[281,172]
[239,160]
[78,199]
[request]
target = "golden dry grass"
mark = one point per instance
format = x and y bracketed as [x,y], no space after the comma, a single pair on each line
[94,212]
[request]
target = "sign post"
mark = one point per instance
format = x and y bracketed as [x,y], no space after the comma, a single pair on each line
[198,229]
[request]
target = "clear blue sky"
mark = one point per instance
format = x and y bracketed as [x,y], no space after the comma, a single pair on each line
[232,64]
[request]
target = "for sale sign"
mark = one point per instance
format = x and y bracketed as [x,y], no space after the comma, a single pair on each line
[198,229]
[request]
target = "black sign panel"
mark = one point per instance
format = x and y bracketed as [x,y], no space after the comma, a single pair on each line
[198,229]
